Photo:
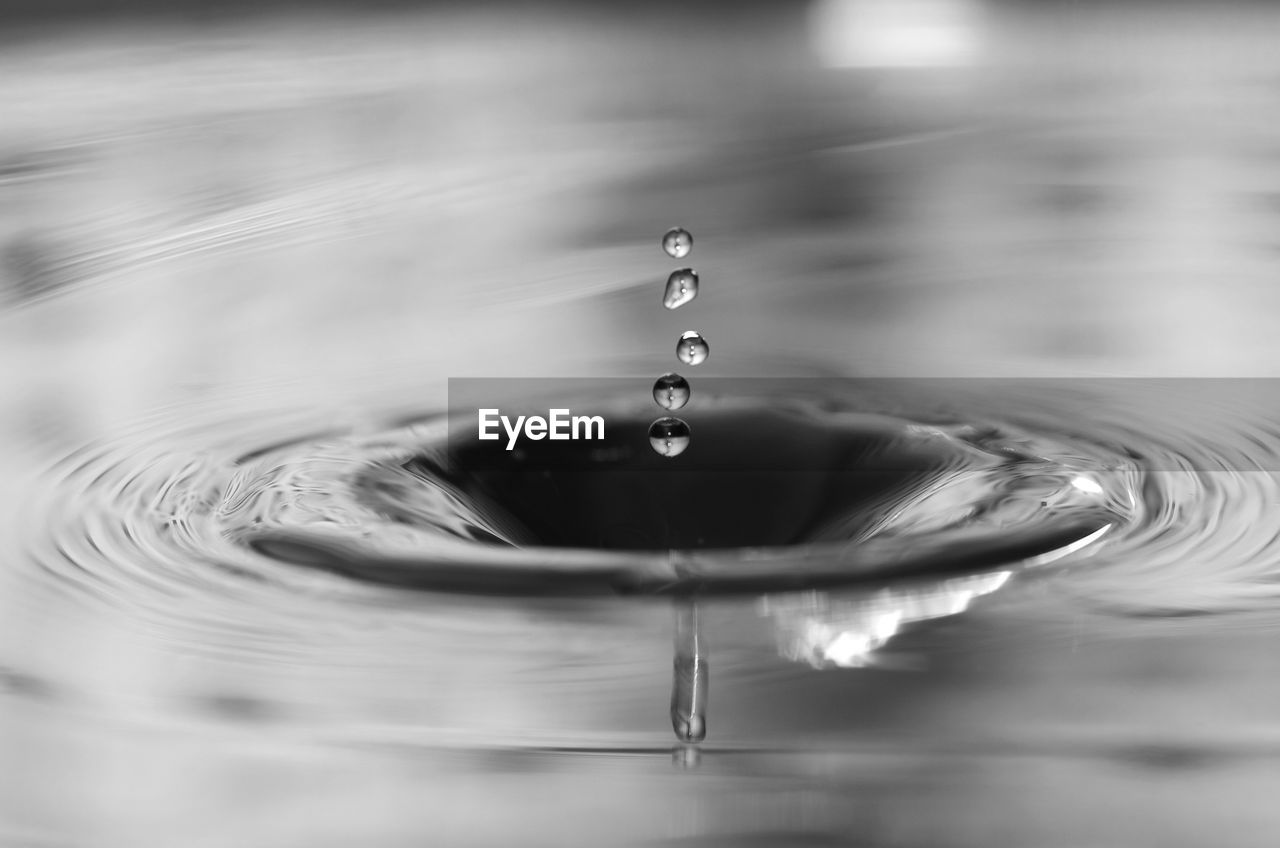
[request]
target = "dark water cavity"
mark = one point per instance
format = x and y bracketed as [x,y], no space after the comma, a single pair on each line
[789,495]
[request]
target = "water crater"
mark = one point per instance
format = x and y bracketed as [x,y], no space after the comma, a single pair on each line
[773,497]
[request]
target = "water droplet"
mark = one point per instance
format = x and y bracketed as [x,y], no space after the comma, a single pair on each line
[671,391]
[677,242]
[692,348]
[682,287]
[669,436]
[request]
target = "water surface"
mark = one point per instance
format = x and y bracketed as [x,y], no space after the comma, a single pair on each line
[241,261]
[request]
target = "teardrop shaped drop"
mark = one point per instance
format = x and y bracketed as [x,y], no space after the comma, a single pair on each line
[682,287]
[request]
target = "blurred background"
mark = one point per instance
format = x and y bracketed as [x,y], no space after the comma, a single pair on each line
[305,213]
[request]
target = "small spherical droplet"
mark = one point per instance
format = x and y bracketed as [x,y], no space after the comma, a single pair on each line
[677,242]
[669,436]
[692,349]
[671,391]
[682,287]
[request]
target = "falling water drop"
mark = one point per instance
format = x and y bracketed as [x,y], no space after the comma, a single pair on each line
[677,242]
[669,436]
[671,391]
[692,349]
[682,287]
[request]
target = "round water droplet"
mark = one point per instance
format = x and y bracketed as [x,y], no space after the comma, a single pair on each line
[671,391]
[692,348]
[669,436]
[677,242]
[682,287]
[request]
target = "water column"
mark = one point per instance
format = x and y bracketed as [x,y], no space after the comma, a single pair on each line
[669,436]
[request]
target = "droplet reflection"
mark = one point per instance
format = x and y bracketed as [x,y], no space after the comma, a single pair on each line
[669,436]
[671,391]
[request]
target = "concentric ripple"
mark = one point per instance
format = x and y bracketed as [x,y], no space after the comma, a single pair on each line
[1142,511]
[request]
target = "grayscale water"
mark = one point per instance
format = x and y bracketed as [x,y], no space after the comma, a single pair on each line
[671,391]
[669,436]
[692,348]
[677,242]
[682,287]
[240,259]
